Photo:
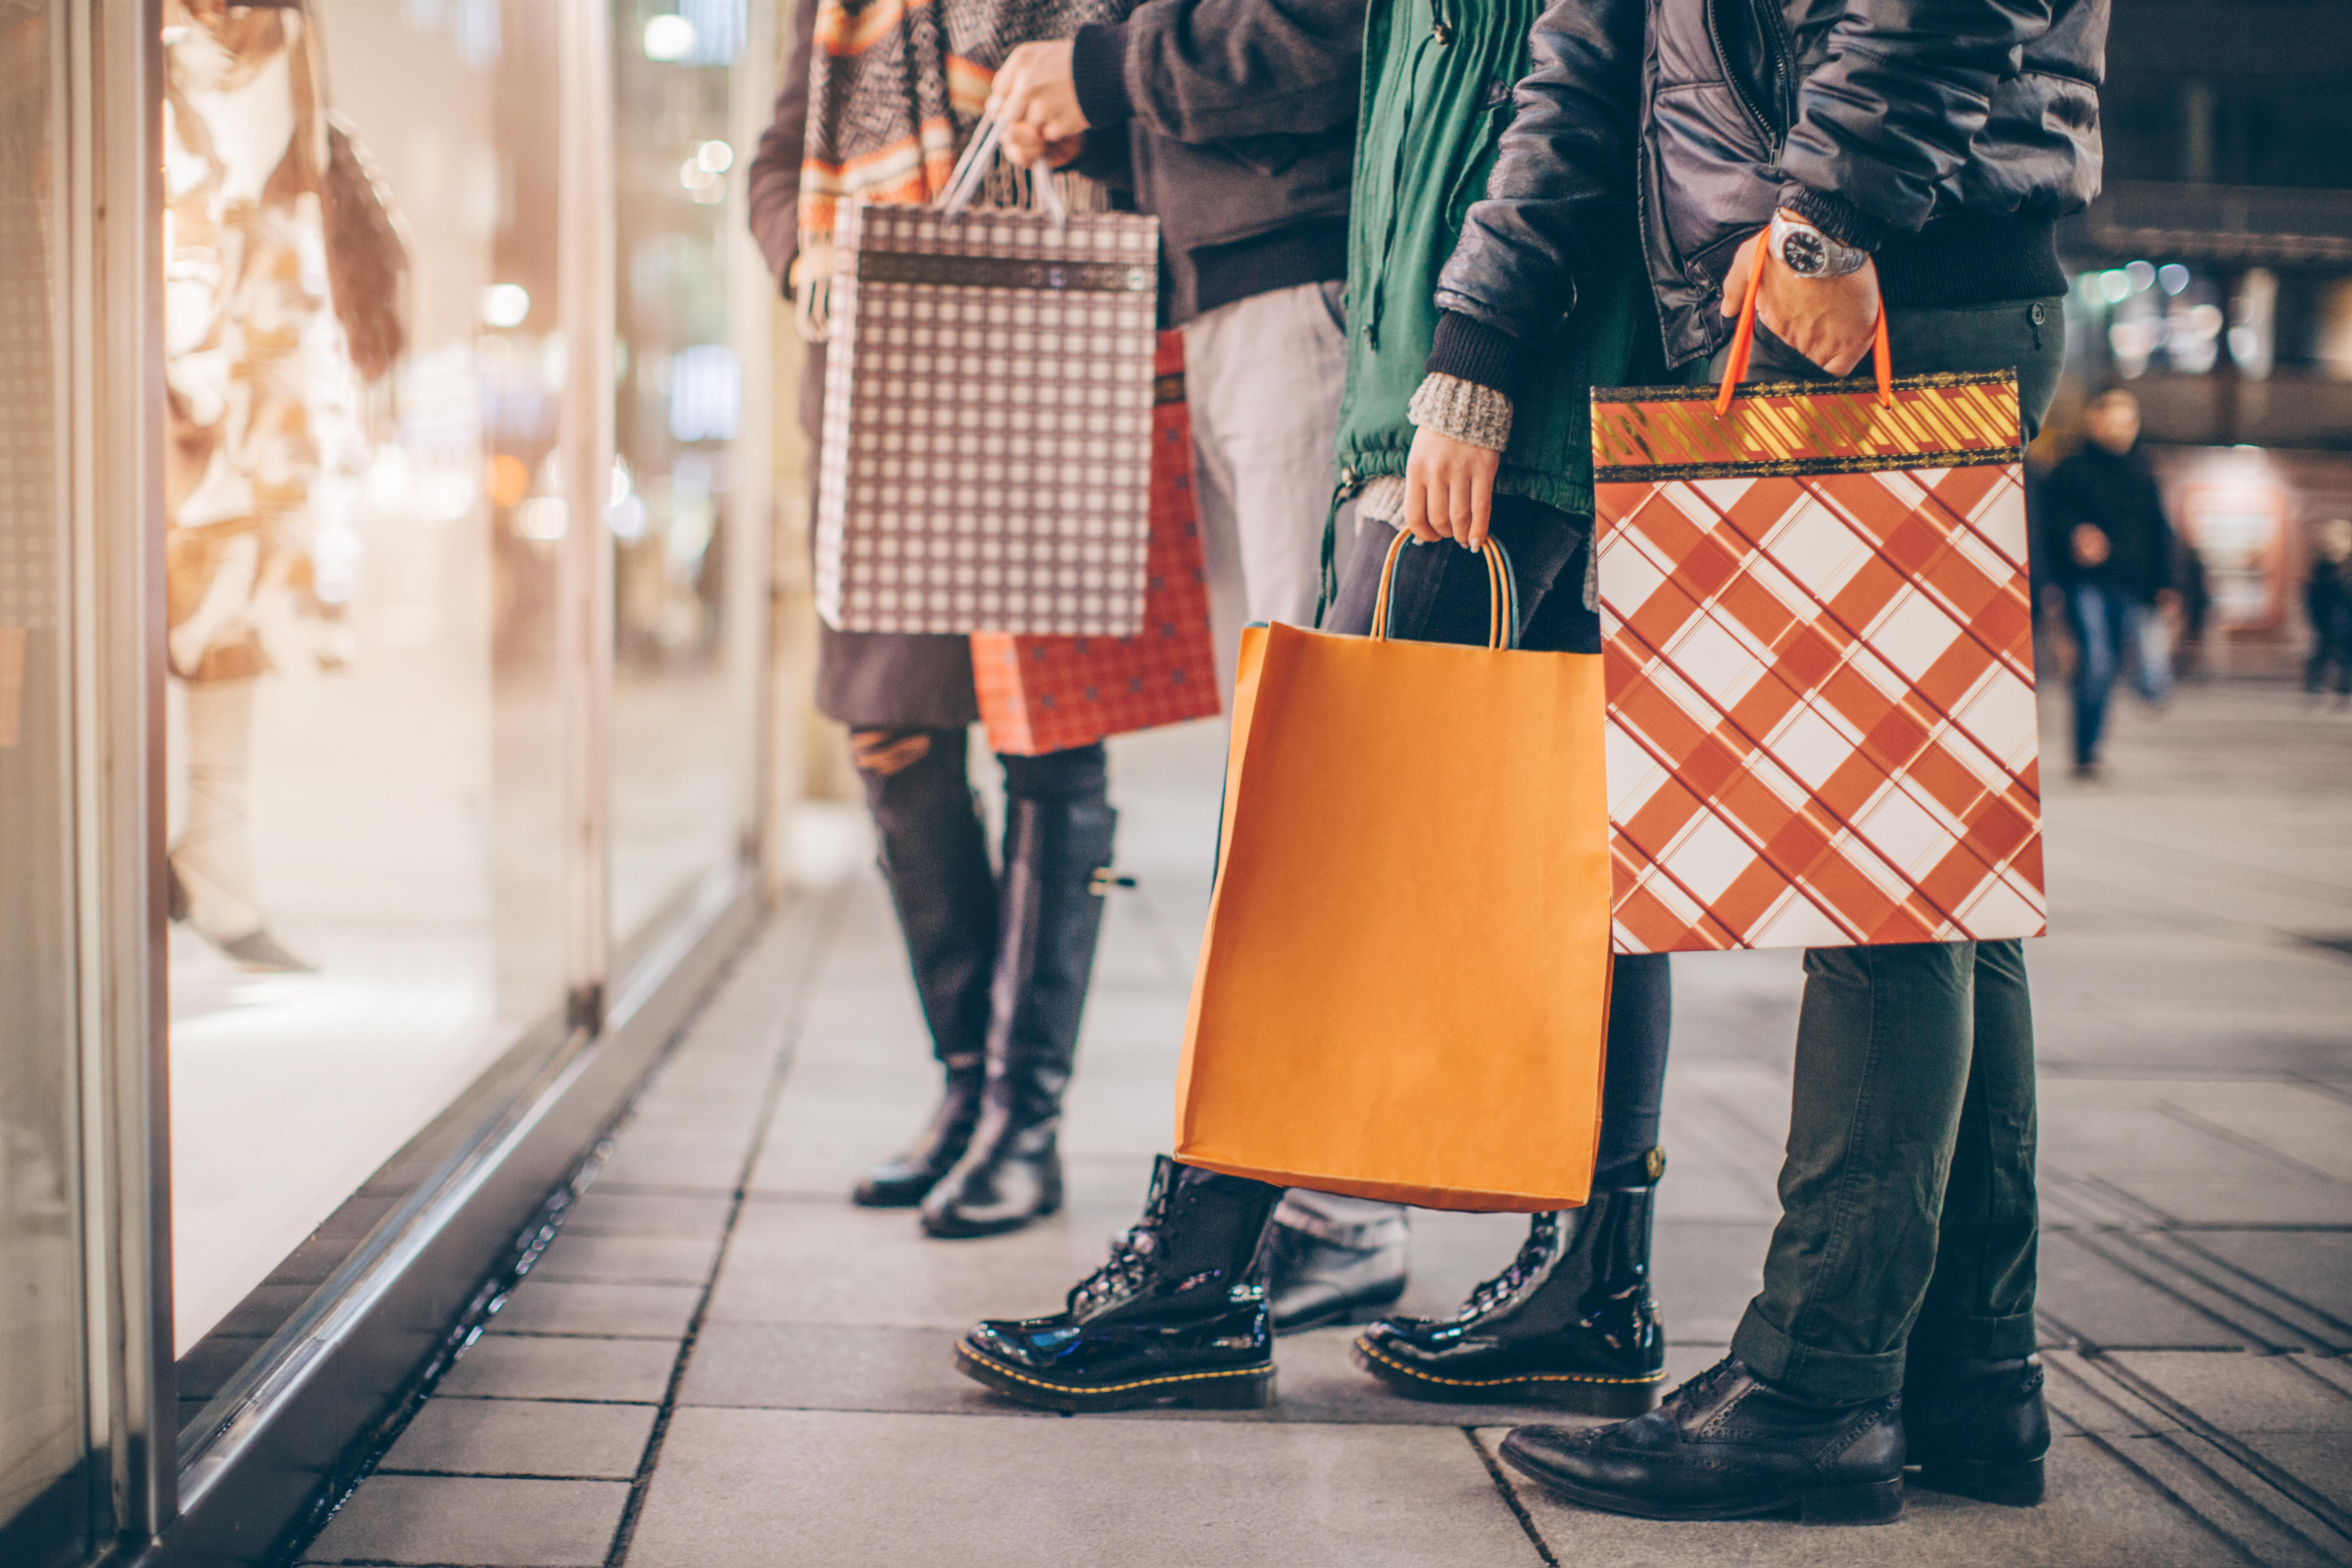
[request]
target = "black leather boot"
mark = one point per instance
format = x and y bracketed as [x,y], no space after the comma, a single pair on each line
[934,858]
[1312,1282]
[1977,1428]
[901,1181]
[1055,851]
[1727,1445]
[1176,1317]
[1569,1323]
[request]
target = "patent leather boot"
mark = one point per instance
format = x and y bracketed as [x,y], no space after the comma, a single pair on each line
[1177,1316]
[1569,1323]
[934,858]
[1056,854]
[1977,1428]
[1727,1445]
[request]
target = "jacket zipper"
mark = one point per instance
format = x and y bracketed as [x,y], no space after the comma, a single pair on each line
[1747,106]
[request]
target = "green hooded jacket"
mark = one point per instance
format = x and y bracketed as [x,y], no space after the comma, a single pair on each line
[1438,76]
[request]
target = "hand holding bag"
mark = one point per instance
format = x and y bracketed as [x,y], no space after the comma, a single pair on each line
[1403,989]
[985,461]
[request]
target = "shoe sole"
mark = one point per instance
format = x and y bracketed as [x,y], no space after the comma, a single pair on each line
[967,1230]
[1577,1394]
[1863,1502]
[1239,1388]
[2017,1484]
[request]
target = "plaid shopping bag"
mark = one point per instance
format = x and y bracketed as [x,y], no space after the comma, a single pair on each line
[1819,651]
[1047,694]
[985,461]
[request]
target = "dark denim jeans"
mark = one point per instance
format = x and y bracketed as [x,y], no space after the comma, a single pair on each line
[1441,597]
[1909,1218]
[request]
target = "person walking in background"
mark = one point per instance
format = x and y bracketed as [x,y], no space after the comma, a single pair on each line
[1914,158]
[2327,595]
[1178,1312]
[2110,552]
[1234,121]
[1002,960]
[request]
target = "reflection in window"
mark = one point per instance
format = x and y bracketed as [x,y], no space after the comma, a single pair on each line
[680,736]
[361,362]
[43,1504]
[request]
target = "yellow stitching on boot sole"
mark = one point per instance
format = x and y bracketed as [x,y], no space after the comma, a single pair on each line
[1500,1382]
[1002,1370]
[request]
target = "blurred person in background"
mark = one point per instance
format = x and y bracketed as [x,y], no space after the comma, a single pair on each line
[1001,958]
[2109,549]
[2327,595]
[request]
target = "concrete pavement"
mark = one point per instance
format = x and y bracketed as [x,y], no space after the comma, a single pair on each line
[720,1361]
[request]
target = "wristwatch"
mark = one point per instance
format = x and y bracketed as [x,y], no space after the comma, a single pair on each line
[1808,252]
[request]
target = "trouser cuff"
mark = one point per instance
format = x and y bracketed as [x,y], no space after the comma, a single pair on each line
[1831,1376]
[1947,1336]
[1362,1224]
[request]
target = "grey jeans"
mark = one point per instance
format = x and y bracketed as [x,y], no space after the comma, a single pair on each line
[1262,376]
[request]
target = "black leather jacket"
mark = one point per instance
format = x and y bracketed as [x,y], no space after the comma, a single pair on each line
[1947,136]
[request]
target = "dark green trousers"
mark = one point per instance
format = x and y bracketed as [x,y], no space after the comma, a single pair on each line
[1908,1210]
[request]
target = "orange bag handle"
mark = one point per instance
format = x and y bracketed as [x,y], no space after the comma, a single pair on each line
[1502,594]
[1743,340]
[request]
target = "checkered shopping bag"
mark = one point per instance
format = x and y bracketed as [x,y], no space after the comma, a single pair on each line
[1045,694]
[1819,653]
[985,454]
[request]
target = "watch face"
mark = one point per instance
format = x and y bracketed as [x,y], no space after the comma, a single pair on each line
[1803,252]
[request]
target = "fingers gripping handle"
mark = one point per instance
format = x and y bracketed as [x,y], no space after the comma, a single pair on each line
[1743,340]
[971,173]
[1502,594]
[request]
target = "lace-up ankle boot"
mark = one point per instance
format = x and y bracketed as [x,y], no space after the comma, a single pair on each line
[1727,1445]
[1057,852]
[1177,1316]
[1569,1323]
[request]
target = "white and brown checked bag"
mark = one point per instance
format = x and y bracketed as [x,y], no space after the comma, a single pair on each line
[986,461]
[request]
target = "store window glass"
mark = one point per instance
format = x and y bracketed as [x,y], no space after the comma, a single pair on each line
[44,1500]
[681,736]
[364,770]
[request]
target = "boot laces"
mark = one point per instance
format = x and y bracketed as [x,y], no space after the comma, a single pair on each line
[1129,1266]
[1534,1253]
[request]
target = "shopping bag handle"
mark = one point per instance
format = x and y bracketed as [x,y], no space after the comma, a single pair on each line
[1502,594]
[1735,370]
[971,173]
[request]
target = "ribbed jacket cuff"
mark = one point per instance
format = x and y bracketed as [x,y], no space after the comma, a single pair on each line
[1464,410]
[1833,215]
[1469,349]
[1098,73]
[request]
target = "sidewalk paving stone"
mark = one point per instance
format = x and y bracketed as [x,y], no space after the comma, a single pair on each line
[539,1438]
[558,1306]
[849,1490]
[481,1523]
[536,1366]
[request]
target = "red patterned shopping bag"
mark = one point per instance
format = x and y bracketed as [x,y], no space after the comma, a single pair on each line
[1044,694]
[1819,651]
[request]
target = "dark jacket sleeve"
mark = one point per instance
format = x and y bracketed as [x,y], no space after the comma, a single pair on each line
[1565,163]
[1199,72]
[775,175]
[1890,113]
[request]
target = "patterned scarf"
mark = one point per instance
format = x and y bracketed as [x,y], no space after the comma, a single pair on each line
[894,85]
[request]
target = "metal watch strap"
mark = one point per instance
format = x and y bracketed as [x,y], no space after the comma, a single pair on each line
[1806,251]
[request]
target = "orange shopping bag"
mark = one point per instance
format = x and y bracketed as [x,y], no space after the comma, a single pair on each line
[1404,990]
